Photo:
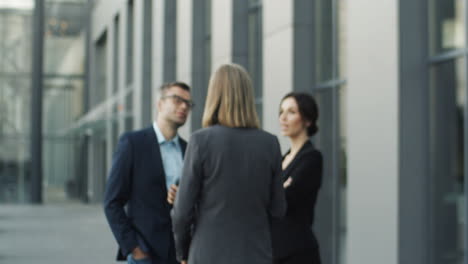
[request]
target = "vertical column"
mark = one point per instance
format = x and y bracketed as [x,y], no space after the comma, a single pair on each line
[87,61]
[278,75]
[465,143]
[158,50]
[36,98]
[184,50]
[372,115]
[109,95]
[222,32]
[138,32]
[304,46]
[414,133]
[129,122]
[170,40]
[240,29]
[147,60]
[84,144]
[200,63]
[90,154]
[121,81]
[230,32]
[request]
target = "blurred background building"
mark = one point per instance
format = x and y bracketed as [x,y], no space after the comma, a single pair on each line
[63,86]
[389,76]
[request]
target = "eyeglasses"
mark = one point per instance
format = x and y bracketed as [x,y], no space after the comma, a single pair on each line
[179,100]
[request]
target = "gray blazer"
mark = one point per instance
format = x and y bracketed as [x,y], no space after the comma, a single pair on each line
[229,191]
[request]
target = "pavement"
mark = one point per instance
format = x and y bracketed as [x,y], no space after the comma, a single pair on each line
[68,233]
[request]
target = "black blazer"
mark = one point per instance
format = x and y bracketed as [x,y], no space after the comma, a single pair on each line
[294,233]
[137,180]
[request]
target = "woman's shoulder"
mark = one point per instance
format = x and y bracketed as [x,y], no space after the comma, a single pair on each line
[218,129]
[265,134]
[310,152]
[201,135]
[208,132]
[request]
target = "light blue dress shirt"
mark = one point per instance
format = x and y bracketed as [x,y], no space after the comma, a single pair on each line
[171,154]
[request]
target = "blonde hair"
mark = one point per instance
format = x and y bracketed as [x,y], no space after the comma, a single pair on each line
[230,100]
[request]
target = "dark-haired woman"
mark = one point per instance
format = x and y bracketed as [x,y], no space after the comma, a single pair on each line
[293,239]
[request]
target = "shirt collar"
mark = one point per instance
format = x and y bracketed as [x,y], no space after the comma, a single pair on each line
[161,138]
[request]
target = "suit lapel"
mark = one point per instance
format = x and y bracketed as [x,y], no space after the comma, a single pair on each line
[156,154]
[304,149]
[183,145]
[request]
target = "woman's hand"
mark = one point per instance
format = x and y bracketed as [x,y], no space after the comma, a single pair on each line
[171,194]
[287,182]
[183,262]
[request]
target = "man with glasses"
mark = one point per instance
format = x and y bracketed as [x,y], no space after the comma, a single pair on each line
[146,164]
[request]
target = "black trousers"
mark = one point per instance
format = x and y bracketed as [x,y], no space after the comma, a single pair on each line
[307,256]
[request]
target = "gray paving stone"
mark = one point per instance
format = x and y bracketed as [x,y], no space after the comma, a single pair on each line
[65,233]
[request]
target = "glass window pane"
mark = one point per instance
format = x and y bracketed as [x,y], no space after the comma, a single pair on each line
[254,60]
[324,40]
[330,216]
[330,40]
[98,94]
[129,40]
[342,39]
[446,25]
[63,89]
[116,66]
[128,111]
[207,28]
[446,153]
[15,103]
[342,173]
[115,126]
[170,41]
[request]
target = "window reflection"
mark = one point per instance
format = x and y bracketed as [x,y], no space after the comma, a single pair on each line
[15,83]
[446,25]
[446,165]
[324,46]
[254,60]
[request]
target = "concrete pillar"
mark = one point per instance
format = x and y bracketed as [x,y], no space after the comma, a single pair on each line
[373,129]
[278,33]
[184,51]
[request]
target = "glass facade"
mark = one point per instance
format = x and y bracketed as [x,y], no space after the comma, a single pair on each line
[63,84]
[447,95]
[330,91]
[15,91]
[447,90]
[62,96]
[446,25]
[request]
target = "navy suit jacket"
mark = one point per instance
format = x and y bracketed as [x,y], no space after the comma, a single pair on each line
[137,180]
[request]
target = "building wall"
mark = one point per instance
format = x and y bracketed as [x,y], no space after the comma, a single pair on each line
[183,43]
[277,66]
[365,211]
[372,116]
